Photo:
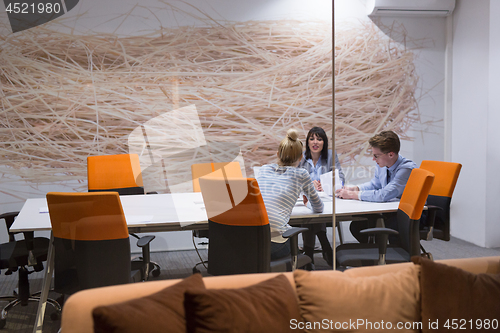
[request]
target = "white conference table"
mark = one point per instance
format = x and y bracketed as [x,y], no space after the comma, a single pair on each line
[175,212]
[186,211]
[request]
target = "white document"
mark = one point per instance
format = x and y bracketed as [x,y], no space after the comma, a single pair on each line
[326,182]
[338,183]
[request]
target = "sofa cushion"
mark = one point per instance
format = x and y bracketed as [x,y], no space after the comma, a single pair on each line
[448,293]
[154,313]
[334,301]
[268,306]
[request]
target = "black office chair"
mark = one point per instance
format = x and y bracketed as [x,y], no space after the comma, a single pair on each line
[122,173]
[18,256]
[437,221]
[408,218]
[91,241]
[239,232]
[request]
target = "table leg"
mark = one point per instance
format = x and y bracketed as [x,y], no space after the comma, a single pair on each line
[334,240]
[47,279]
[339,231]
[380,223]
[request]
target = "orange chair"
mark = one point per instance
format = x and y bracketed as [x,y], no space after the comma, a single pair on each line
[239,232]
[122,173]
[437,223]
[408,216]
[91,243]
[221,169]
[227,170]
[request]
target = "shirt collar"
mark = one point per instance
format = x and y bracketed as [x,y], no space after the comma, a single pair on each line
[310,161]
[395,165]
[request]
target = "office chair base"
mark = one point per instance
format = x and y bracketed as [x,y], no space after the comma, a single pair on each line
[426,254]
[195,268]
[14,301]
[153,268]
[156,270]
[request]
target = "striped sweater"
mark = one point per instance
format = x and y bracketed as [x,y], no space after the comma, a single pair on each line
[280,187]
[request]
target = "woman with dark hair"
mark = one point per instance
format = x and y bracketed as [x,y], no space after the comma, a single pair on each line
[280,185]
[317,160]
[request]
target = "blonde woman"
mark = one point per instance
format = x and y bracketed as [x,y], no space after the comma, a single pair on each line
[281,185]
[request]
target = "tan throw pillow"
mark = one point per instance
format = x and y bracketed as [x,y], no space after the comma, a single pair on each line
[332,301]
[453,299]
[268,306]
[159,312]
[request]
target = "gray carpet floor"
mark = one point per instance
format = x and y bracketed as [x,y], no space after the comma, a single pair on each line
[179,264]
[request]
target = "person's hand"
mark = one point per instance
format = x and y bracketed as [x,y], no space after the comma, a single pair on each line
[351,188]
[304,200]
[344,193]
[317,185]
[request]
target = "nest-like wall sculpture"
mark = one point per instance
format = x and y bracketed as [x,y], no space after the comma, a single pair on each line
[65,97]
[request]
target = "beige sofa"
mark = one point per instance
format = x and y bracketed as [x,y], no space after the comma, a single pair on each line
[77,311]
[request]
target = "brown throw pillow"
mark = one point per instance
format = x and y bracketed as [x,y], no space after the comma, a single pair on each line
[454,299]
[332,301]
[159,312]
[269,306]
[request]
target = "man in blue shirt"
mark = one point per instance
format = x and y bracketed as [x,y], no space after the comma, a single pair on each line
[391,174]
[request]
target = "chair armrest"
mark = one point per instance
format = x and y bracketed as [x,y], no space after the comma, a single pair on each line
[145,240]
[379,231]
[293,234]
[9,220]
[294,231]
[382,235]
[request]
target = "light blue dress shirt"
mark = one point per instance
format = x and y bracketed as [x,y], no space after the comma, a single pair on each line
[321,167]
[378,190]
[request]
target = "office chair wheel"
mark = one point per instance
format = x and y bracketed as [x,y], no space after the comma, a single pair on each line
[156,272]
[60,300]
[309,267]
[55,316]
[3,322]
[428,255]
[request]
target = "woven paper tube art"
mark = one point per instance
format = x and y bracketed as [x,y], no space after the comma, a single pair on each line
[66,97]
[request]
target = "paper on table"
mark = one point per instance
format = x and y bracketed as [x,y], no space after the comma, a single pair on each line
[135,219]
[338,183]
[43,209]
[326,182]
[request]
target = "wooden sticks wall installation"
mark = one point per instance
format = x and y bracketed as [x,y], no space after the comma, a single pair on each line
[65,97]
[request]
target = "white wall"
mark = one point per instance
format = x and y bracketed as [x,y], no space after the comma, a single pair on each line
[426,38]
[475,110]
[493,144]
[475,118]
